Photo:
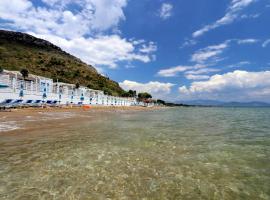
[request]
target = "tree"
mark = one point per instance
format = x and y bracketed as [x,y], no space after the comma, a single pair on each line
[159,101]
[144,95]
[130,93]
[77,85]
[24,73]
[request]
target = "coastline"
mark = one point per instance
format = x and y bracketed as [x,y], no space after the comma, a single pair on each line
[23,120]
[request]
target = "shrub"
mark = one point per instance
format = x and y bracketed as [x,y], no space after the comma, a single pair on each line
[24,73]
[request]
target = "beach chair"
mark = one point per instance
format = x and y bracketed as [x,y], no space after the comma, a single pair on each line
[5,103]
[36,103]
[15,104]
[52,103]
[49,102]
[27,103]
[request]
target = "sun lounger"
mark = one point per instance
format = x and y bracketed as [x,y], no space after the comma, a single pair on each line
[52,103]
[15,104]
[5,103]
[36,103]
[27,103]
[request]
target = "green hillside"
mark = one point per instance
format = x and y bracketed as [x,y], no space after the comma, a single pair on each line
[40,57]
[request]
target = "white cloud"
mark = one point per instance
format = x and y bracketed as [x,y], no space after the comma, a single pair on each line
[211,54]
[174,71]
[239,64]
[188,43]
[232,86]
[166,10]
[231,15]
[196,77]
[78,31]
[157,89]
[205,54]
[101,50]
[200,74]
[247,41]
[252,16]
[91,16]
[266,42]
[202,71]
[151,47]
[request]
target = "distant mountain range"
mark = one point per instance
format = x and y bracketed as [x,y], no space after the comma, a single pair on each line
[225,104]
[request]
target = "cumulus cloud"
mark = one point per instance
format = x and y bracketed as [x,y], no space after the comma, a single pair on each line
[101,50]
[63,21]
[78,30]
[157,89]
[234,86]
[166,10]
[233,12]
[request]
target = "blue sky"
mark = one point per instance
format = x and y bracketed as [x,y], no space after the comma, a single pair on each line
[176,50]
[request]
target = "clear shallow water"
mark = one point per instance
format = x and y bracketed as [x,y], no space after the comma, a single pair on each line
[187,153]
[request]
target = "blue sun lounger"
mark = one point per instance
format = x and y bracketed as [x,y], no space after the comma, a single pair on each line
[36,103]
[15,104]
[5,103]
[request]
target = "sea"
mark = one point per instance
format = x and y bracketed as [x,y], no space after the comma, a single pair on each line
[170,153]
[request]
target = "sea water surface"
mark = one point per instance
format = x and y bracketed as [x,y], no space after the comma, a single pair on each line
[177,153]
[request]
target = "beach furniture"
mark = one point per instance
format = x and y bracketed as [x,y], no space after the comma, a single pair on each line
[15,104]
[36,103]
[5,103]
[53,103]
[27,103]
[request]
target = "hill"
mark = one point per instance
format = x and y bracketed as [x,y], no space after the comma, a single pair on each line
[40,57]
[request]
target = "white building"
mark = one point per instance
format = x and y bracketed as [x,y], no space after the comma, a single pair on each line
[14,86]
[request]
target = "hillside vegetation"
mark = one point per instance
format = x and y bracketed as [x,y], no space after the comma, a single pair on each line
[40,57]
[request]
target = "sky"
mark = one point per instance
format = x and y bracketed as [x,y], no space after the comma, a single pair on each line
[177,50]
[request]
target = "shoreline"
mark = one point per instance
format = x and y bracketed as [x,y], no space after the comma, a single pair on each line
[23,120]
